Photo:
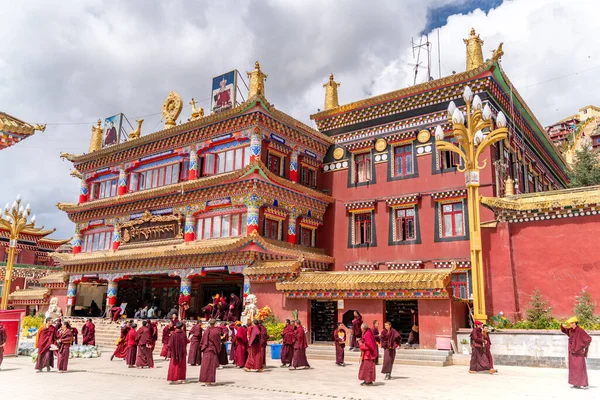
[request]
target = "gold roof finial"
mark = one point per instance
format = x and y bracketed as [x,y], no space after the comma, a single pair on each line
[257,82]
[331,94]
[498,53]
[138,131]
[474,52]
[97,133]
[171,109]
[197,113]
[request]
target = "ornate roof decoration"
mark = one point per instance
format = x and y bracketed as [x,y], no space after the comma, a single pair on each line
[454,264]
[331,94]
[13,130]
[362,267]
[360,146]
[403,200]
[257,81]
[530,207]
[271,271]
[54,277]
[474,51]
[171,109]
[28,271]
[360,206]
[95,141]
[449,195]
[30,294]
[393,265]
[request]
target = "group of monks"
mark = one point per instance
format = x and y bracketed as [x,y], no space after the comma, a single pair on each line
[58,337]
[222,309]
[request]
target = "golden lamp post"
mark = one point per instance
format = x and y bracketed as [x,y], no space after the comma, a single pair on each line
[14,219]
[474,136]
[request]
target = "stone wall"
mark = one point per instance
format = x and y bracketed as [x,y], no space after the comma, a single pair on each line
[534,348]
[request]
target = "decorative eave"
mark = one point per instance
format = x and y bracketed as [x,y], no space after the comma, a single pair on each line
[28,271]
[369,284]
[403,201]
[449,195]
[34,232]
[565,203]
[362,267]
[273,271]
[33,295]
[453,264]
[399,265]
[54,278]
[360,206]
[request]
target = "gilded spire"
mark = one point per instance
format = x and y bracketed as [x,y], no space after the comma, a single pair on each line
[331,93]
[197,113]
[171,109]
[257,81]
[474,52]
[97,133]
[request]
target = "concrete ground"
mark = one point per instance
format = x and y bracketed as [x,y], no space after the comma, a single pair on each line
[100,378]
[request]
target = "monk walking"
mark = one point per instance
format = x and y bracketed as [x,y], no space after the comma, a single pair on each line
[223,352]
[288,337]
[485,332]
[195,336]
[64,339]
[264,338]
[479,360]
[356,330]
[2,342]
[131,349]
[144,344]
[390,341]
[377,337]
[121,350]
[366,372]
[178,347]
[299,361]
[166,333]
[339,338]
[45,338]
[240,354]
[254,361]
[75,333]
[88,331]
[211,346]
[579,342]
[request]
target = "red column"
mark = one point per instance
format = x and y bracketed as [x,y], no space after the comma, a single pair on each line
[77,243]
[122,187]
[292,229]
[189,232]
[116,239]
[83,192]
[193,168]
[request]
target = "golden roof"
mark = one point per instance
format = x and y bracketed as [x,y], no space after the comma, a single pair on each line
[29,294]
[55,277]
[11,124]
[371,280]
[545,200]
[199,247]
[273,267]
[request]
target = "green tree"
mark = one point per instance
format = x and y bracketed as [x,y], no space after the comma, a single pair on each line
[538,313]
[586,168]
[584,309]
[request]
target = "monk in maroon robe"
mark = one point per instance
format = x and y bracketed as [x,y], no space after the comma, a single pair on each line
[75,333]
[232,329]
[64,339]
[299,361]
[339,341]
[45,338]
[375,330]
[89,333]
[413,336]
[579,342]
[211,346]
[356,331]
[240,354]
[288,337]
[2,342]
[223,351]
[264,339]
[485,332]
[479,360]
[254,361]
[208,311]
[234,307]
[144,345]
[368,347]
[218,312]
[121,350]
[166,333]
[116,313]
[178,347]
[131,348]
[390,341]
[195,336]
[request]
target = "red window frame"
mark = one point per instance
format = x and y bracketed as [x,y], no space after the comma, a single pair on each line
[202,220]
[460,281]
[98,189]
[308,176]
[362,167]
[453,210]
[275,163]
[240,157]
[88,240]
[363,228]
[271,229]
[306,236]
[403,160]
[405,224]
[156,177]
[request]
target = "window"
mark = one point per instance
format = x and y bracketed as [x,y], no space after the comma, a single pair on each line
[156,177]
[405,224]
[362,228]
[308,176]
[452,219]
[104,189]
[221,226]
[306,236]
[403,160]
[275,164]
[448,160]
[362,167]
[97,241]
[271,230]
[460,285]
[226,161]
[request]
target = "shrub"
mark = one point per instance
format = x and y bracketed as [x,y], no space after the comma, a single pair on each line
[538,313]
[32,322]
[584,310]
[274,330]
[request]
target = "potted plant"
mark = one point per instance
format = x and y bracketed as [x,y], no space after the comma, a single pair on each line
[466,349]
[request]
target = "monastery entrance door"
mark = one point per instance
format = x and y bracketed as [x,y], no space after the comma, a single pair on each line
[323,315]
[398,313]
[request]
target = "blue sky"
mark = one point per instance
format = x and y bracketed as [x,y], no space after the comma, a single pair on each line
[436,17]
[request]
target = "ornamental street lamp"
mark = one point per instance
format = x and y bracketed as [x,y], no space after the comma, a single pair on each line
[474,136]
[14,219]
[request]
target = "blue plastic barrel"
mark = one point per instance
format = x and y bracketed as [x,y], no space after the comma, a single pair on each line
[275,351]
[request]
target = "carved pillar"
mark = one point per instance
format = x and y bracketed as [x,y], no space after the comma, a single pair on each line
[83,192]
[71,293]
[246,288]
[111,294]
[122,188]
[116,238]
[185,296]
[294,166]
[189,231]
[255,144]
[292,228]
[77,243]
[252,209]
[193,168]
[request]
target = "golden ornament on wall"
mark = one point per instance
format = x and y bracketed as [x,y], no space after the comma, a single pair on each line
[380,145]
[171,109]
[338,153]
[424,136]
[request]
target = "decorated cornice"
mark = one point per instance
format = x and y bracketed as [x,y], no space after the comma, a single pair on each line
[449,195]
[362,267]
[272,271]
[28,271]
[33,294]
[357,147]
[403,201]
[454,264]
[360,206]
[399,265]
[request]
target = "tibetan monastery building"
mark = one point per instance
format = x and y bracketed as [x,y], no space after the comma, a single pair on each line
[361,214]
[13,130]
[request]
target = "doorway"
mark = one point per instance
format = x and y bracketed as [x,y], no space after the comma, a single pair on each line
[398,313]
[323,320]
